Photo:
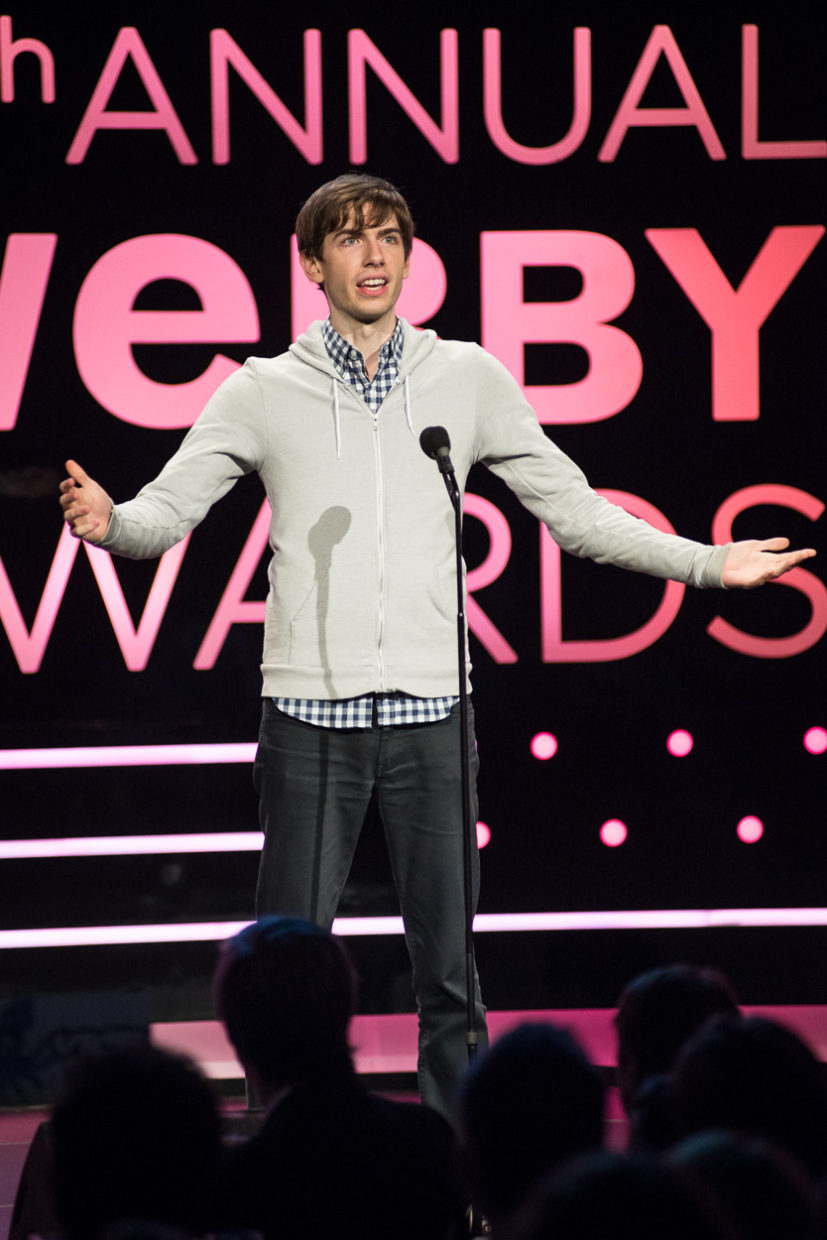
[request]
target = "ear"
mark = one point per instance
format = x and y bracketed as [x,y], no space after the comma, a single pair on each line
[312,268]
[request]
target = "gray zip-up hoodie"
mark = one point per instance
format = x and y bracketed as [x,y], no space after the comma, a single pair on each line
[362,591]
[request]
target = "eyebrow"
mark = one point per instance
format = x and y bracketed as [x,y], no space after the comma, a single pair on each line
[357,232]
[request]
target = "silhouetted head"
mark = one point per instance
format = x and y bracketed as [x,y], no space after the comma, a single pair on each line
[760,1187]
[532,1101]
[285,990]
[608,1196]
[755,1077]
[136,1138]
[656,1014]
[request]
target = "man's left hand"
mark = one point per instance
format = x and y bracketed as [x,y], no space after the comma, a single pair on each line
[752,562]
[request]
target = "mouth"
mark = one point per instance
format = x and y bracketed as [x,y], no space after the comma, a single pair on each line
[373,284]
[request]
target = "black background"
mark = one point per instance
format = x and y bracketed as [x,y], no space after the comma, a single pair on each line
[748,715]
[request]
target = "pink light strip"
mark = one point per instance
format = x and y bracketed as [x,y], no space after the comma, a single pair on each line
[640,919]
[132,845]
[95,936]
[126,755]
[651,919]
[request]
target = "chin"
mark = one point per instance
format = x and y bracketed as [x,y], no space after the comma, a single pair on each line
[371,314]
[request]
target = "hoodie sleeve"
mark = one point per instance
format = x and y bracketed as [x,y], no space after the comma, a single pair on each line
[226,441]
[514,446]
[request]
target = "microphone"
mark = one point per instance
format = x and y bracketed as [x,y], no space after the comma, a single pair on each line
[435,443]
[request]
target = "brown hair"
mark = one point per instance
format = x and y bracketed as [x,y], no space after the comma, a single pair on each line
[352,196]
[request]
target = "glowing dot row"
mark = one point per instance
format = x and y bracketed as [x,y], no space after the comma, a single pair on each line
[614,831]
[680,743]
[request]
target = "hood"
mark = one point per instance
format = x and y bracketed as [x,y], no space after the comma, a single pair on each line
[310,349]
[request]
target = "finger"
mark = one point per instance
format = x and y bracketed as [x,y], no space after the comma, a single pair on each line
[78,474]
[81,528]
[773,544]
[70,487]
[784,563]
[76,513]
[796,557]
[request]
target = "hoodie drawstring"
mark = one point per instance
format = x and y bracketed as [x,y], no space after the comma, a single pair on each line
[408,409]
[337,422]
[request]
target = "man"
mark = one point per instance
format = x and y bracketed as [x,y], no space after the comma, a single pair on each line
[330,1158]
[136,1139]
[359,667]
[527,1107]
[657,1013]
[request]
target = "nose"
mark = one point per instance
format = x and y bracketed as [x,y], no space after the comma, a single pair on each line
[373,252]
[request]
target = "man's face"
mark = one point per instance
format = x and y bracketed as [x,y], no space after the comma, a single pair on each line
[362,271]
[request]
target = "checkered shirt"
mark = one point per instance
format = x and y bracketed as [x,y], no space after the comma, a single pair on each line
[387,710]
[351,365]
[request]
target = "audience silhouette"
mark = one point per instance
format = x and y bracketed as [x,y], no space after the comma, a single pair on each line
[740,1119]
[137,1138]
[330,1159]
[758,1078]
[657,1012]
[759,1187]
[530,1103]
[612,1196]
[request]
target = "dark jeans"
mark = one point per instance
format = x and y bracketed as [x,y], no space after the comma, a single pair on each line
[314,786]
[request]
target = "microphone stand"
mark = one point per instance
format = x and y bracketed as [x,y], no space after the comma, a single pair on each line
[471,1035]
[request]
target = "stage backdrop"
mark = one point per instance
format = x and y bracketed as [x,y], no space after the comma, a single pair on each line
[625,204]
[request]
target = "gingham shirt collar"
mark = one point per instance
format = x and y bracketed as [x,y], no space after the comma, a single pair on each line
[351,365]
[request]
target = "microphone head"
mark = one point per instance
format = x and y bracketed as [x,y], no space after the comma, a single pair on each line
[434,442]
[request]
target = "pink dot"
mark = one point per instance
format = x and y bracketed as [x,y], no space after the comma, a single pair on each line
[815,740]
[750,829]
[613,833]
[680,743]
[544,746]
[483,834]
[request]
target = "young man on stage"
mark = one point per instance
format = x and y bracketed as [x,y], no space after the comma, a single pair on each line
[359,665]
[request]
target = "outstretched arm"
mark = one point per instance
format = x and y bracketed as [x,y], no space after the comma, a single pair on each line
[752,562]
[86,506]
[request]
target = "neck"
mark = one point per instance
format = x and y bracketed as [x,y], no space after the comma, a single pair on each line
[368,338]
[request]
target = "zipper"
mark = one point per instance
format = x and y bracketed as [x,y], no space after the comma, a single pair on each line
[380,503]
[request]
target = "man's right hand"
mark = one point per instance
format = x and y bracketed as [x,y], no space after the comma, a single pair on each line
[86,506]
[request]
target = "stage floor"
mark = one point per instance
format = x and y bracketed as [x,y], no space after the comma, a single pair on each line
[386,1045]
